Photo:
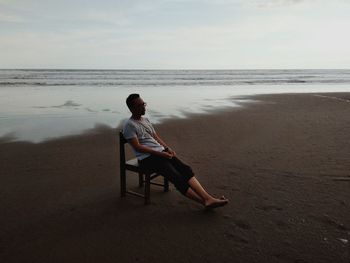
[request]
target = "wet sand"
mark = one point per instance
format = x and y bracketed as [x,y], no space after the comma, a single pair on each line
[283,161]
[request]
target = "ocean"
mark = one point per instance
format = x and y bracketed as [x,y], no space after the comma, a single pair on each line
[41,104]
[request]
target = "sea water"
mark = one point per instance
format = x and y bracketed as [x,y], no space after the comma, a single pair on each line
[39,104]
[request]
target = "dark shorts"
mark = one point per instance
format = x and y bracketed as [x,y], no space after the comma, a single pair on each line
[173,169]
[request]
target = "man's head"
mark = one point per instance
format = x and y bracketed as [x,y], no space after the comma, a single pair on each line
[135,104]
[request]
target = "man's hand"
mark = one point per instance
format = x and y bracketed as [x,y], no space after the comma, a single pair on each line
[167,155]
[173,153]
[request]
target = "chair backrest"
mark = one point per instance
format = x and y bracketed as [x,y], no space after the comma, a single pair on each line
[121,138]
[122,142]
[124,164]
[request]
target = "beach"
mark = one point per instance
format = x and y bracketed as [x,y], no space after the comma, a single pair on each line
[282,160]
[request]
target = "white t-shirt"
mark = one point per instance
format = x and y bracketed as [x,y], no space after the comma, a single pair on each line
[143,130]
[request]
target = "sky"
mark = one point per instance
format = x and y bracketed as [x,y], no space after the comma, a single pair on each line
[175,34]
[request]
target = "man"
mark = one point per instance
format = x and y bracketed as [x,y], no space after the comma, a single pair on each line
[154,154]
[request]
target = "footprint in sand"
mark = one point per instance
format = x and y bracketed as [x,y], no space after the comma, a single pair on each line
[269,208]
[284,257]
[332,222]
[237,238]
[281,224]
[242,224]
[239,222]
[326,219]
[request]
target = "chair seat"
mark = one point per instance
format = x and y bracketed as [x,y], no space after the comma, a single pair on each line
[133,165]
[133,162]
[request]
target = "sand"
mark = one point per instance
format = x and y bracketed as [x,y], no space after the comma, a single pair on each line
[283,161]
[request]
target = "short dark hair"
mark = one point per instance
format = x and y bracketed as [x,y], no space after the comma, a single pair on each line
[130,100]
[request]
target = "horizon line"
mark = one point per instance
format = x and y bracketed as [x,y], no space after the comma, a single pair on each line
[169,69]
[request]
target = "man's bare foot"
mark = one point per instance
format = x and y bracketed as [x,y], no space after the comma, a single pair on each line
[215,202]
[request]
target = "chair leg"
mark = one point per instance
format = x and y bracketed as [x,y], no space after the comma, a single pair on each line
[141,179]
[147,188]
[166,185]
[122,183]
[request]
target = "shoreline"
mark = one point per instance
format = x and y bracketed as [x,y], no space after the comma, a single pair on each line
[210,110]
[279,162]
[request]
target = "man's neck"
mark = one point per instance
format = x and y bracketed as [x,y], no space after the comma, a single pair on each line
[136,117]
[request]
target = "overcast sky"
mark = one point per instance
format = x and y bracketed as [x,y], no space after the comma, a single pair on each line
[174,34]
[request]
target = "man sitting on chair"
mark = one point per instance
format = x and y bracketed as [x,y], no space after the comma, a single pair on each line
[153,154]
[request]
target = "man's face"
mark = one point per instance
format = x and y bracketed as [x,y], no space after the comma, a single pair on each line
[139,107]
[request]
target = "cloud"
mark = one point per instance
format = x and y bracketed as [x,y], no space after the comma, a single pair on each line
[171,33]
[10,18]
[274,3]
[65,14]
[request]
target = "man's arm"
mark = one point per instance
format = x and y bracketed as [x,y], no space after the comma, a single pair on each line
[158,139]
[134,142]
[167,148]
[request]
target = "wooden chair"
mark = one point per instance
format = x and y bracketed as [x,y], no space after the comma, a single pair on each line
[145,177]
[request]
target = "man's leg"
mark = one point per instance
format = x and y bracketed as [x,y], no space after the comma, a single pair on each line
[166,168]
[207,200]
[191,188]
[192,195]
[196,190]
